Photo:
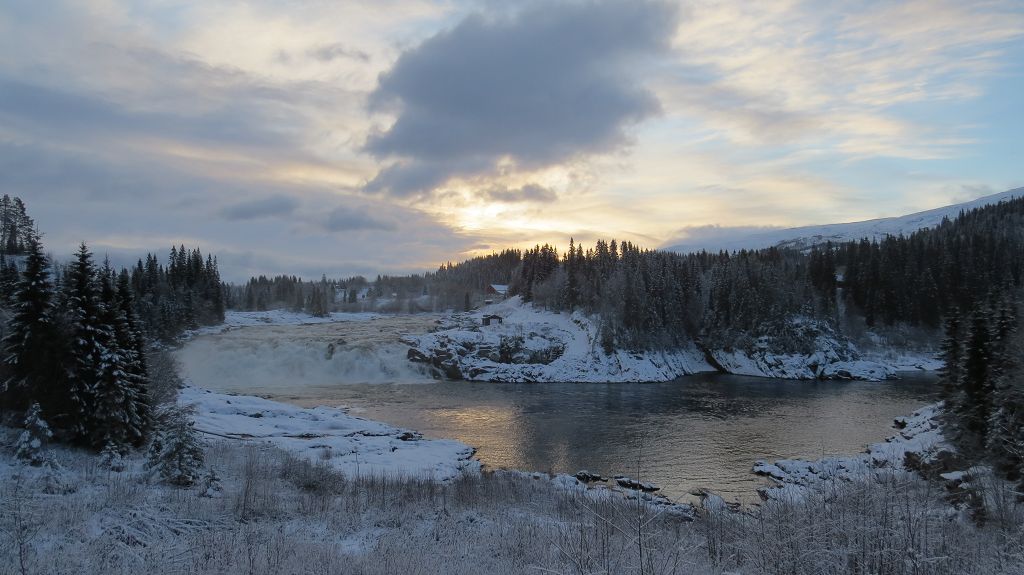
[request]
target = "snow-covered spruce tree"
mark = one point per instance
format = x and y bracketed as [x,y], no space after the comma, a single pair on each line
[120,411]
[111,457]
[33,349]
[31,446]
[952,356]
[132,343]
[976,381]
[1005,437]
[175,454]
[94,368]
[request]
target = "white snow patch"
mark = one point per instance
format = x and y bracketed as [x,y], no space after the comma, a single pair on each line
[350,444]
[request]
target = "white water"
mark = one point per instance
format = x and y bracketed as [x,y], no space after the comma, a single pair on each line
[295,360]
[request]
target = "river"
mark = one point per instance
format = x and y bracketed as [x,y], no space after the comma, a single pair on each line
[701,431]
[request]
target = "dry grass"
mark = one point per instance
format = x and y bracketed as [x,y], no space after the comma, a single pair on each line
[279,515]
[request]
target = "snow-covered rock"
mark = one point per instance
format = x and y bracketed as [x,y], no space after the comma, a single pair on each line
[350,444]
[533,345]
[920,435]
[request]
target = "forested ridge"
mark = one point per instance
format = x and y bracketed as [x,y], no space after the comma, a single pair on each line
[650,299]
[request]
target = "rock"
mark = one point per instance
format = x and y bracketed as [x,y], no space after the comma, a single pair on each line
[452,370]
[409,436]
[417,356]
[588,477]
[629,483]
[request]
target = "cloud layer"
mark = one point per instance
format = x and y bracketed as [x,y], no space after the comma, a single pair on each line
[355,136]
[535,89]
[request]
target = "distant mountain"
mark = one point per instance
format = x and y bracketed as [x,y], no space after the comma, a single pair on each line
[808,236]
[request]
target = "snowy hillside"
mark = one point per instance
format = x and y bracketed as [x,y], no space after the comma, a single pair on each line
[808,236]
[533,345]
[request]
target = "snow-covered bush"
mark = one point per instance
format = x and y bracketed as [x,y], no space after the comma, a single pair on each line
[210,485]
[175,454]
[111,458]
[56,480]
[31,446]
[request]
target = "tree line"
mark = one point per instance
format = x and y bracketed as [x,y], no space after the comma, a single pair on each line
[76,352]
[16,227]
[78,349]
[983,383]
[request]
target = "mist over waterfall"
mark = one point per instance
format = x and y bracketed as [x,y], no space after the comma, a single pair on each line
[286,359]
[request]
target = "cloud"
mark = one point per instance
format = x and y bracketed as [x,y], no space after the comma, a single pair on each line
[348,219]
[331,52]
[838,77]
[549,84]
[527,193]
[261,208]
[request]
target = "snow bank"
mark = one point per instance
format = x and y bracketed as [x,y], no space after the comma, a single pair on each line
[920,435]
[352,445]
[531,345]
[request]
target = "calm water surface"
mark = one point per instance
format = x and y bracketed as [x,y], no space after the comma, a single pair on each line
[699,431]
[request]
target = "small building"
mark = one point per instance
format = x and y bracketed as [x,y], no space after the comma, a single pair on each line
[497,289]
[487,319]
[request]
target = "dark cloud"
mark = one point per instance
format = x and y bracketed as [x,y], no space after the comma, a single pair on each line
[527,193]
[348,219]
[549,84]
[260,208]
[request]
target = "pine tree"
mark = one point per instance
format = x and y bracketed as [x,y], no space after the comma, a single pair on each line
[952,356]
[132,343]
[175,454]
[120,408]
[975,379]
[31,444]
[90,340]
[111,457]
[33,347]
[1006,425]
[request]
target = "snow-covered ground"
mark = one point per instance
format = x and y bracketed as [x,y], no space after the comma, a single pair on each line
[270,513]
[531,344]
[920,434]
[349,444]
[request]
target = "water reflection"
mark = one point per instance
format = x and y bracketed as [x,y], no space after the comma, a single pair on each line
[701,431]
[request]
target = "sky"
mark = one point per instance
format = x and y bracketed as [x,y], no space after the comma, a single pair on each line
[344,137]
